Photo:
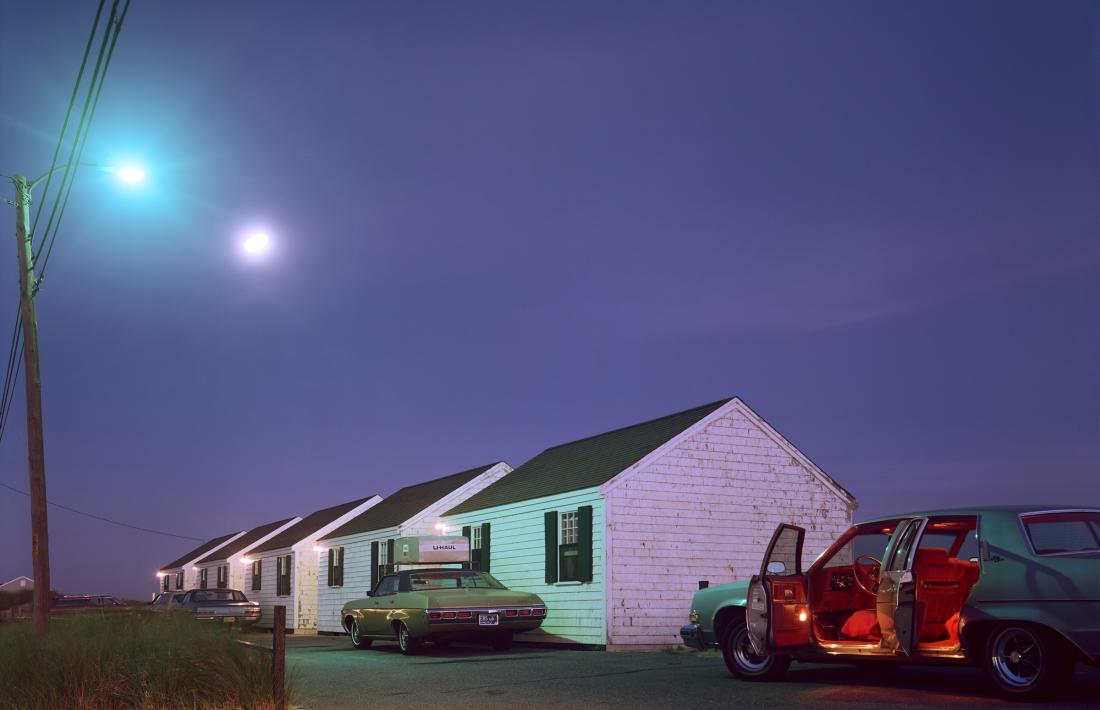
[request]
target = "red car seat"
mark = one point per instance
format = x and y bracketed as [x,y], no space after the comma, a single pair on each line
[943,583]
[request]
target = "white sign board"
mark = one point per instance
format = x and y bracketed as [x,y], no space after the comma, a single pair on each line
[432,548]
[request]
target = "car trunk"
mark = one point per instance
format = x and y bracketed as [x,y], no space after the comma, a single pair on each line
[477,598]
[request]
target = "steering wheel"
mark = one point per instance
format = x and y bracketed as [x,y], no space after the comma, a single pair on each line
[871,584]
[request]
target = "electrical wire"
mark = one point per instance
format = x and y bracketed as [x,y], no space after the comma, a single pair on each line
[68,114]
[103,519]
[84,139]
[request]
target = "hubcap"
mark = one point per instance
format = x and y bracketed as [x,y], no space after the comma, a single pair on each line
[355,632]
[745,654]
[403,637]
[1017,657]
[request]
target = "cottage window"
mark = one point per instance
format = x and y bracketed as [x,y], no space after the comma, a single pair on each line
[282,576]
[179,579]
[475,540]
[478,535]
[257,574]
[202,578]
[223,577]
[568,536]
[336,567]
[164,583]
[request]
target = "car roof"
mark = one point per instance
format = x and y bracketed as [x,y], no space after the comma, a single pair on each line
[980,509]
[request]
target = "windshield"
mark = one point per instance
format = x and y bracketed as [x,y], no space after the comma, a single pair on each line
[217,595]
[457,579]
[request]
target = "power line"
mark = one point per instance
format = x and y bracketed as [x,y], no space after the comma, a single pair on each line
[68,114]
[87,128]
[103,519]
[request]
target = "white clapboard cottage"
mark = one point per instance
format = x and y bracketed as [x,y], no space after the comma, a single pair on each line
[355,555]
[182,573]
[616,530]
[283,570]
[225,567]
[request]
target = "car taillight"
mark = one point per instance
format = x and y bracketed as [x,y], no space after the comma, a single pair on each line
[525,612]
[465,614]
[449,615]
[434,615]
[538,612]
[510,612]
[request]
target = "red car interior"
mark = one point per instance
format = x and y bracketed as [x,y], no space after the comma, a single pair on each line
[943,583]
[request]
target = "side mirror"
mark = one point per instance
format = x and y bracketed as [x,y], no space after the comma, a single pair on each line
[776,568]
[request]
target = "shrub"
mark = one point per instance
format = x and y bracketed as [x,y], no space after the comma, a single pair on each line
[130,660]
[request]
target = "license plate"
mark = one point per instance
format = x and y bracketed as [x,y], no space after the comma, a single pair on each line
[228,619]
[488,619]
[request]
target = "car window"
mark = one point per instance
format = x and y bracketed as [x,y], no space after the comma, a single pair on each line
[217,595]
[871,542]
[457,579]
[1059,533]
[387,586]
[178,599]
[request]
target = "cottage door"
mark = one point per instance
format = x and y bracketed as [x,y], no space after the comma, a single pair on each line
[777,612]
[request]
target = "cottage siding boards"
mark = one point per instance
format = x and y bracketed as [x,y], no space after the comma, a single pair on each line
[704,510]
[267,597]
[575,611]
[303,585]
[330,600]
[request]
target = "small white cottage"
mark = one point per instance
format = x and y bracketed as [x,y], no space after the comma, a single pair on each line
[19,584]
[359,552]
[228,567]
[182,573]
[615,531]
[283,570]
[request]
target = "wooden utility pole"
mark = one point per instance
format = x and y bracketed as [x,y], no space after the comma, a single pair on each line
[40,545]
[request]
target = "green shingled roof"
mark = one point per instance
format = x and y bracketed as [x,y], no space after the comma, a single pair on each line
[406,503]
[584,463]
[258,533]
[199,551]
[309,525]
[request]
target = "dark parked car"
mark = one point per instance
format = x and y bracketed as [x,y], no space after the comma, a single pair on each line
[1015,590]
[77,603]
[223,605]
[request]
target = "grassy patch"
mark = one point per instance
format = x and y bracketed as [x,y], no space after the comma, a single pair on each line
[130,660]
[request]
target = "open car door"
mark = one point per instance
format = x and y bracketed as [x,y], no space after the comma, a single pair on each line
[777,614]
[899,611]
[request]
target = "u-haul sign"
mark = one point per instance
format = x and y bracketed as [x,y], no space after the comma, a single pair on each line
[431,548]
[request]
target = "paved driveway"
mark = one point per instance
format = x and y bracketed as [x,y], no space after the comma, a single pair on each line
[330,675]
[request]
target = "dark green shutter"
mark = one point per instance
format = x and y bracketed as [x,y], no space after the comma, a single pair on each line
[485,547]
[466,533]
[584,543]
[550,529]
[331,557]
[373,565]
[390,548]
[340,569]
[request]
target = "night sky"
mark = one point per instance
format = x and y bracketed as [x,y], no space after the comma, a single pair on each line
[499,226]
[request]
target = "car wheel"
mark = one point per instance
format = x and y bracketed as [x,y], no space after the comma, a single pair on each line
[1024,663]
[502,642]
[741,658]
[409,646]
[357,639]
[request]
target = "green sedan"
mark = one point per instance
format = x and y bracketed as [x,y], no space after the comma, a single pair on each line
[441,605]
[1014,590]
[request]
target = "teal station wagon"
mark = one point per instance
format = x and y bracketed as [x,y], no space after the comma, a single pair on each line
[1015,590]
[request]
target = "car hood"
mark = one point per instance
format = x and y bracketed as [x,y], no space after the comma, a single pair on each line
[465,598]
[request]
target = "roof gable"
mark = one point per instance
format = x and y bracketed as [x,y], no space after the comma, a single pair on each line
[201,550]
[584,463]
[309,525]
[257,533]
[406,503]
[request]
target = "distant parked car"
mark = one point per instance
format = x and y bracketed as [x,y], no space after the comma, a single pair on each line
[441,605]
[223,605]
[1015,590]
[77,603]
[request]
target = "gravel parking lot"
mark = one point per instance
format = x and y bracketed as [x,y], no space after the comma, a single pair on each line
[330,675]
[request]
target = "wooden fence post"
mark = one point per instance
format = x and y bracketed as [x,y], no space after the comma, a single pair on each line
[278,661]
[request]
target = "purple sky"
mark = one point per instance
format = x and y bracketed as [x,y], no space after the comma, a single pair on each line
[502,226]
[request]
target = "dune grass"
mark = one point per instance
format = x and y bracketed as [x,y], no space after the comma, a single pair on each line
[131,660]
